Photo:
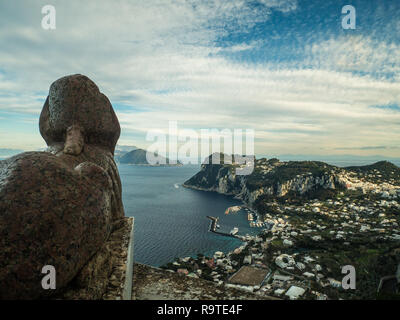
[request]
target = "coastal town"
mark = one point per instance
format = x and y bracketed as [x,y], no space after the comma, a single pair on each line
[302,244]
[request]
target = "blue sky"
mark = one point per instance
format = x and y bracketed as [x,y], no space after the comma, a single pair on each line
[284,68]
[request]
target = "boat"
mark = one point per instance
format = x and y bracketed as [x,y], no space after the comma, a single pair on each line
[234,231]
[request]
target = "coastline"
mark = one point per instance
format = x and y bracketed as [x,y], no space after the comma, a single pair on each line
[243,205]
[209,190]
[169,209]
[235,196]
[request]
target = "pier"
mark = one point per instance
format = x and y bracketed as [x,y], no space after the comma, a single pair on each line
[213,227]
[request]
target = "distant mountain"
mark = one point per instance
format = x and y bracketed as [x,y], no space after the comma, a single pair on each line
[341,160]
[125,148]
[387,171]
[138,157]
[122,150]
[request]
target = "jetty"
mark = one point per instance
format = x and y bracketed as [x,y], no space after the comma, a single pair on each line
[213,227]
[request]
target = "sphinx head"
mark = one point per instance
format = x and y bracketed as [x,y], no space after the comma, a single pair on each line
[76,112]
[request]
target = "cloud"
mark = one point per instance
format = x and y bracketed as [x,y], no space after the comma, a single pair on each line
[241,47]
[356,53]
[164,59]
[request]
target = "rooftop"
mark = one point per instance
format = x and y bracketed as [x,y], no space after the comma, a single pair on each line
[150,283]
[249,276]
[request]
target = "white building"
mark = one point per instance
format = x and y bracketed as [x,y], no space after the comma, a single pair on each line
[295,292]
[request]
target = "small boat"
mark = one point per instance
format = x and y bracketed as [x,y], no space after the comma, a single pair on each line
[234,231]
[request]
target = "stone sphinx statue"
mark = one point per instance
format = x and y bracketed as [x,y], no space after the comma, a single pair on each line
[59,207]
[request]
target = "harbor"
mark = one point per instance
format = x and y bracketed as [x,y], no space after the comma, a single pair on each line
[214,226]
[253,219]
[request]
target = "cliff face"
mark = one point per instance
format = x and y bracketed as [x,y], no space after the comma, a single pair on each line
[275,179]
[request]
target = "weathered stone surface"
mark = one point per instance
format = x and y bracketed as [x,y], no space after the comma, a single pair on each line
[58,207]
[97,278]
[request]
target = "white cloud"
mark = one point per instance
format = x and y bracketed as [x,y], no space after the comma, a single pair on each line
[356,53]
[159,57]
[288,109]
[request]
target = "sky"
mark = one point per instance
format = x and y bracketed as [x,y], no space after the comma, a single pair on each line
[284,68]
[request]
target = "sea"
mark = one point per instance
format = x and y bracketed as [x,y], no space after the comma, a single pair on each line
[171,220]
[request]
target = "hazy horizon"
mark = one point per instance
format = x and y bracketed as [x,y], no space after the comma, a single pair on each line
[338,160]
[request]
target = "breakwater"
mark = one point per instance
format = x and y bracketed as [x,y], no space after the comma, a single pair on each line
[213,227]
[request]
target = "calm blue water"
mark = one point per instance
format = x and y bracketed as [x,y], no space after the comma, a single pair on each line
[171,222]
